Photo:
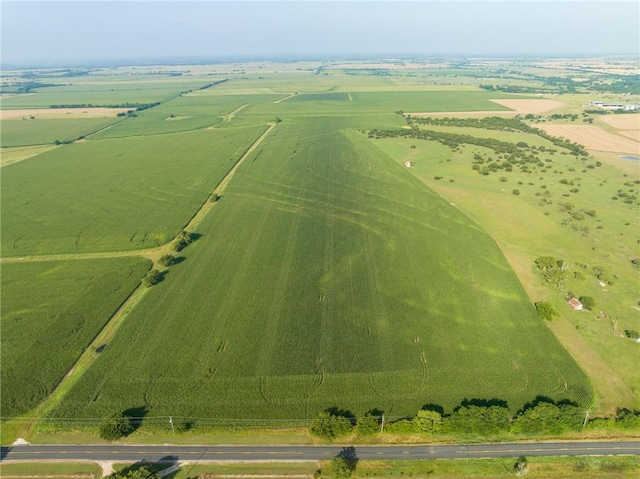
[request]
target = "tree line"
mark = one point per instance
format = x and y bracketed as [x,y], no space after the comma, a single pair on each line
[542,416]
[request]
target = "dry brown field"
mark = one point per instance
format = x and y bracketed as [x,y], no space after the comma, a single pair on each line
[594,138]
[623,122]
[61,113]
[518,107]
[533,106]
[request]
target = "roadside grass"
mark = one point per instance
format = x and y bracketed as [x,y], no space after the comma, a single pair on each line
[50,313]
[526,229]
[299,263]
[111,195]
[50,470]
[41,132]
[538,467]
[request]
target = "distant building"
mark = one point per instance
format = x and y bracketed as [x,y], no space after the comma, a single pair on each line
[575,304]
[612,106]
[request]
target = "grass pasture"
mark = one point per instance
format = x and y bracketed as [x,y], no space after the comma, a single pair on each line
[108,195]
[534,223]
[329,276]
[50,313]
[41,132]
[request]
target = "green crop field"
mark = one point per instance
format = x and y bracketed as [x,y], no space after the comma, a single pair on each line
[182,114]
[329,276]
[104,92]
[40,132]
[106,195]
[51,310]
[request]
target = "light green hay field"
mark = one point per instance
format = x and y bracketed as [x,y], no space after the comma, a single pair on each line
[50,313]
[109,195]
[327,275]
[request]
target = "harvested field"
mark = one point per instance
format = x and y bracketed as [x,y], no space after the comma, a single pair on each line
[623,122]
[61,113]
[518,107]
[594,138]
[534,105]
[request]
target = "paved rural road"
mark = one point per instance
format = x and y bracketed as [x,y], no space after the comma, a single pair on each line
[286,453]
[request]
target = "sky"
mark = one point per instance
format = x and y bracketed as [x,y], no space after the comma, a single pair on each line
[50,32]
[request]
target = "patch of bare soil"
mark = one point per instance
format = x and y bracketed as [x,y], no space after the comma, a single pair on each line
[60,113]
[533,105]
[594,138]
[629,121]
[518,107]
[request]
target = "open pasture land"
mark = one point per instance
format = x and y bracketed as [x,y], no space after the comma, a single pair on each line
[594,138]
[182,114]
[548,217]
[328,275]
[51,310]
[110,195]
[41,132]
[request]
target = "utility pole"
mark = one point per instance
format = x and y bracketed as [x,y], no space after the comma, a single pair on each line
[171,422]
[382,424]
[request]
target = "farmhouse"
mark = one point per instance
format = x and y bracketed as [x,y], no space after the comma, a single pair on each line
[575,304]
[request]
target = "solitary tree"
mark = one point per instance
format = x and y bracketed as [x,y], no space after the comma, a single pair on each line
[587,302]
[115,427]
[546,310]
[344,464]
[153,277]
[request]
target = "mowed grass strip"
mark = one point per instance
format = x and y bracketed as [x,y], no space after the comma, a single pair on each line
[329,276]
[110,195]
[50,313]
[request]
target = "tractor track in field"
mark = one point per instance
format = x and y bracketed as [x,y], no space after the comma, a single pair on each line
[104,336]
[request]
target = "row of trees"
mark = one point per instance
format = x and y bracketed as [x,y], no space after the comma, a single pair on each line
[502,124]
[137,106]
[539,417]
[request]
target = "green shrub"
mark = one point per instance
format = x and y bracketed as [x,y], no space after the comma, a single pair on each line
[330,426]
[115,427]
